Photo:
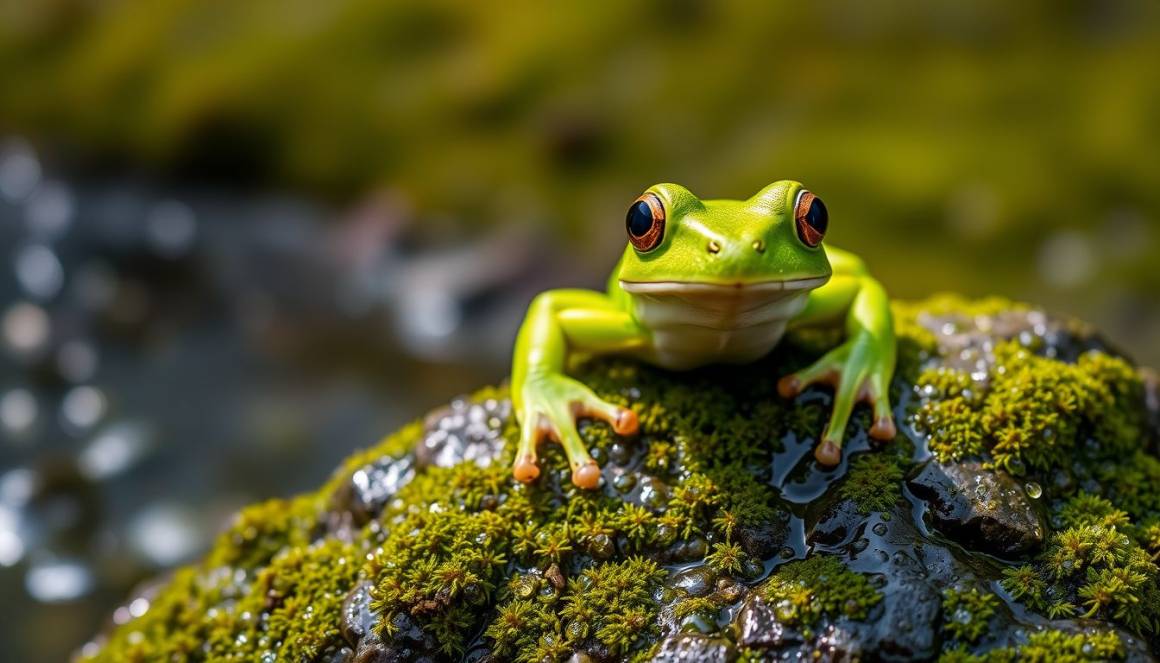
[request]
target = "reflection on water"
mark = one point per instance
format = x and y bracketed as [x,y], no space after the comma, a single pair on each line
[170,356]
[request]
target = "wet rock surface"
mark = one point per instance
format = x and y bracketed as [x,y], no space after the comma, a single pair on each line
[980,508]
[367,490]
[464,431]
[691,550]
[693,648]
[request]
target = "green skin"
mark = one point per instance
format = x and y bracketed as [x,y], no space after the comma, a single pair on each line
[725,281]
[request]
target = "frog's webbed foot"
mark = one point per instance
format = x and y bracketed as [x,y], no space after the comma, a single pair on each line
[859,372]
[549,408]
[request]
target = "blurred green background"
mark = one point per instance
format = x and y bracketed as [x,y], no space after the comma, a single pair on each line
[986,148]
[979,147]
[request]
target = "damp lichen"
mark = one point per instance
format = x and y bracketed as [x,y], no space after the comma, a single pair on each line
[711,508]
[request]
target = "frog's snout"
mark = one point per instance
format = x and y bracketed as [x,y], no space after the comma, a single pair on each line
[714,247]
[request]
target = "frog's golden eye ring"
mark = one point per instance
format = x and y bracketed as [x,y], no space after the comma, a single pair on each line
[646,223]
[810,218]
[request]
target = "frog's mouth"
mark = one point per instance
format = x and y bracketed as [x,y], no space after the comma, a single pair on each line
[743,289]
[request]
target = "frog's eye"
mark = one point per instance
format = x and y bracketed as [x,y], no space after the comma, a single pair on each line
[646,223]
[811,218]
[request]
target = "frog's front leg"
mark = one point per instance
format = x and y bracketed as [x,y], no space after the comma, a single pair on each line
[548,402]
[860,368]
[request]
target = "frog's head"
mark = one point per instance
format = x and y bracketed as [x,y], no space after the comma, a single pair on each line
[770,241]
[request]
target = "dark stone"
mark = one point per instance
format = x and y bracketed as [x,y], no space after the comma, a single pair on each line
[838,523]
[340,655]
[982,509]
[764,540]
[966,342]
[757,625]
[695,581]
[838,643]
[694,648]
[369,488]
[464,431]
[906,627]
[357,618]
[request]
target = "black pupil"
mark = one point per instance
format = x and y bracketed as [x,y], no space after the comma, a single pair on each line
[640,219]
[818,217]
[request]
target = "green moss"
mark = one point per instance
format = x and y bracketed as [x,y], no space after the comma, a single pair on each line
[612,603]
[726,558]
[293,607]
[1133,484]
[1091,569]
[1031,411]
[803,592]
[967,613]
[1050,646]
[260,531]
[1086,509]
[874,482]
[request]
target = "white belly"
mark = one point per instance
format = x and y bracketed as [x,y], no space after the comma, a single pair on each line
[696,324]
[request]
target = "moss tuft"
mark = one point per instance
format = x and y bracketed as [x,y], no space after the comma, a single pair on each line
[1091,570]
[1031,411]
[873,482]
[1050,646]
[609,603]
[967,613]
[803,592]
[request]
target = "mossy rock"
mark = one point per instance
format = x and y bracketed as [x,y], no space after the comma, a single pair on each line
[715,536]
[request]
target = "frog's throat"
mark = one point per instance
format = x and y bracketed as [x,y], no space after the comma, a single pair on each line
[733,289]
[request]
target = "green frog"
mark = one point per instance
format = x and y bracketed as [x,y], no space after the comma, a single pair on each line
[704,282]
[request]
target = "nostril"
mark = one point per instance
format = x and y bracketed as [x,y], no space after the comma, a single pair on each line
[759,246]
[713,247]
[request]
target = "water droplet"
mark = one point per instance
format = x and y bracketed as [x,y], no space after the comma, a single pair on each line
[624,482]
[879,529]
[1033,490]
[860,545]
